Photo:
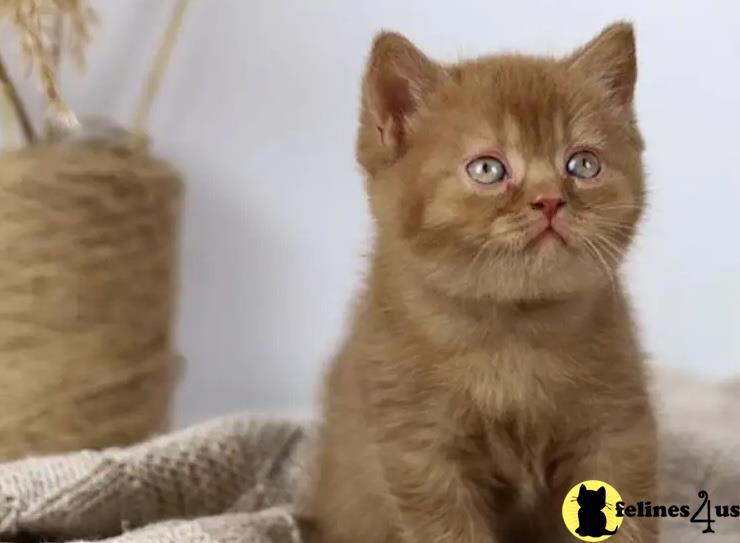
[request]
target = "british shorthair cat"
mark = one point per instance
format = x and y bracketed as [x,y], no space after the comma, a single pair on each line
[492,361]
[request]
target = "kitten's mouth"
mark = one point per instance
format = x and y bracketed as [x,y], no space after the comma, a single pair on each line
[547,233]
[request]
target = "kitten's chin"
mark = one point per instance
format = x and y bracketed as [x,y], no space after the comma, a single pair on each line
[546,272]
[546,239]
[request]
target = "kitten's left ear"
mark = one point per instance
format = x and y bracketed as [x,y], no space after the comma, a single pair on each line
[611,60]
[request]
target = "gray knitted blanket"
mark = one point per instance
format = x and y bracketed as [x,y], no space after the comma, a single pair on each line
[234,480]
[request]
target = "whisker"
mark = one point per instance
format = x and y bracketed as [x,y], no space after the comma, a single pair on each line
[513,228]
[473,262]
[620,251]
[613,207]
[617,205]
[595,212]
[481,273]
[594,251]
[613,230]
[605,221]
[596,219]
[614,251]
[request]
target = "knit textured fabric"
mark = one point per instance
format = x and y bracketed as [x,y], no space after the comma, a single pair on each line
[235,480]
[228,481]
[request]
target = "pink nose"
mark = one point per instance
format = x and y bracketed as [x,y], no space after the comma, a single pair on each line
[548,205]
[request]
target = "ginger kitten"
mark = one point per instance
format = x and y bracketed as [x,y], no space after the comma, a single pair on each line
[492,363]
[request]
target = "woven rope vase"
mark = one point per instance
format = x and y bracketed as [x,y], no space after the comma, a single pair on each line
[88,250]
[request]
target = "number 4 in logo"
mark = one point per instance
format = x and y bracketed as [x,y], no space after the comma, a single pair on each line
[705,505]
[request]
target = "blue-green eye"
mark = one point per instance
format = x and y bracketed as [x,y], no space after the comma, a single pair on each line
[583,165]
[486,170]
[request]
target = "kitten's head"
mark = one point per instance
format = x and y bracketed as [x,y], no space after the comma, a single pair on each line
[511,177]
[592,499]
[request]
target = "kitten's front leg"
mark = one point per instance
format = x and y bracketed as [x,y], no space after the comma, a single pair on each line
[627,459]
[434,501]
[637,483]
[423,462]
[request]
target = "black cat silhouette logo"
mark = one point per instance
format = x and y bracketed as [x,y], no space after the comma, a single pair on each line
[589,512]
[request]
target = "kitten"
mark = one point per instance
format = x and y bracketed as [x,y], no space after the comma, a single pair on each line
[492,362]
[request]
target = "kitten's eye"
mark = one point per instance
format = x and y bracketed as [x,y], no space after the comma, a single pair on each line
[584,165]
[486,170]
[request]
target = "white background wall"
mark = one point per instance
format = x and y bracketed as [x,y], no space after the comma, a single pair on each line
[258,110]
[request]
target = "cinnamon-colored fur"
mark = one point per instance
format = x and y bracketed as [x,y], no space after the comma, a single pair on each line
[486,373]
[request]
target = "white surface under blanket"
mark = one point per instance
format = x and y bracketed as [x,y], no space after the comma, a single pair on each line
[233,480]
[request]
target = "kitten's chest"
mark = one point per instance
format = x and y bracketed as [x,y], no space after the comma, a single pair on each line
[526,413]
[519,381]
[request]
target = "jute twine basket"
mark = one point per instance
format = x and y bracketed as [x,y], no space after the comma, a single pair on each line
[88,238]
[88,253]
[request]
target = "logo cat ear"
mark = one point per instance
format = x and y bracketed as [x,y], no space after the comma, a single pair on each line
[398,79]
[610,59]
[582,490]
[601,492]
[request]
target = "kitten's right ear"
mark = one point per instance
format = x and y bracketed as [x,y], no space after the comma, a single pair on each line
[397,81]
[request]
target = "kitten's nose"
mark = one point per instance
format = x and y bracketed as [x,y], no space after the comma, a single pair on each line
[548,205]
